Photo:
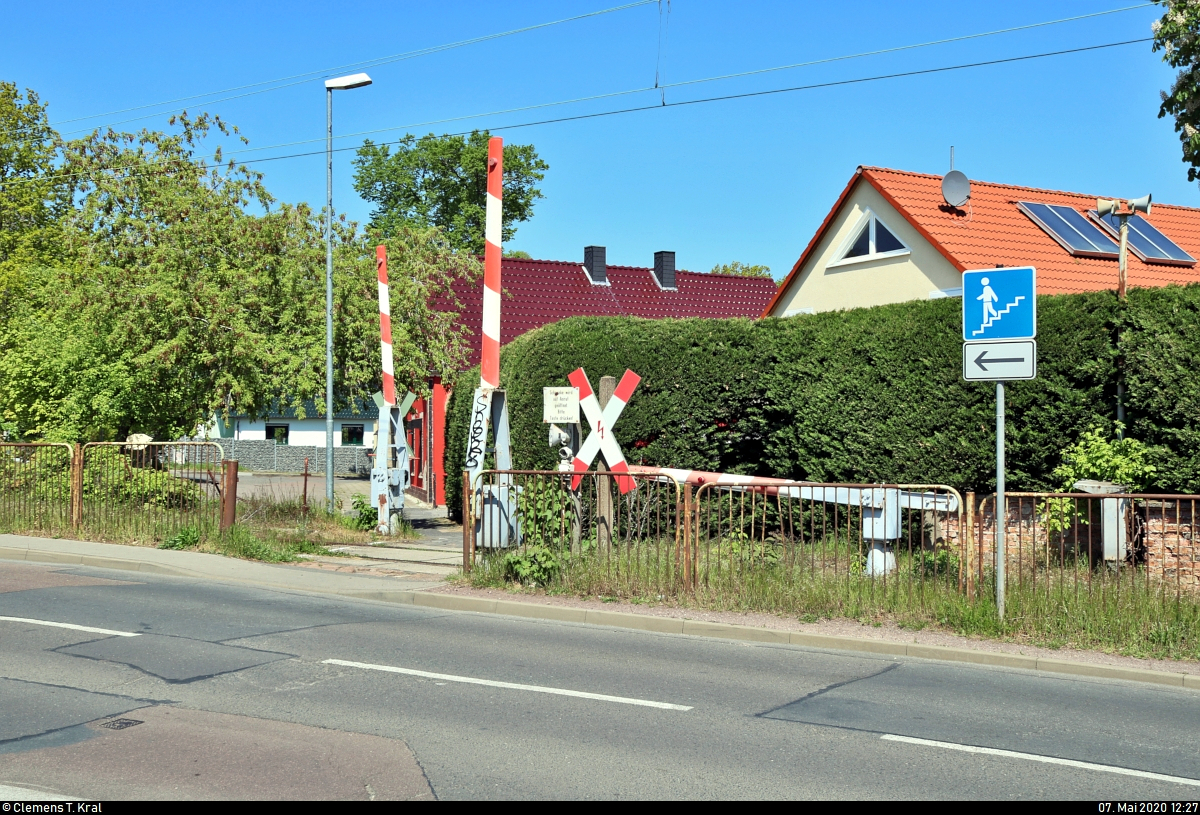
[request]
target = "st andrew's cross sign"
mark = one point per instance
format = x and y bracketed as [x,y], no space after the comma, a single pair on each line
[601,439]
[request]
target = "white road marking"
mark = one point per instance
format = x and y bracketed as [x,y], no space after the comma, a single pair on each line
[71,626]
[1066,762]
[470,680]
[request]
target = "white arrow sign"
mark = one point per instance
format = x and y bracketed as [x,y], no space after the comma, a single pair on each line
[999,361]
[601,439]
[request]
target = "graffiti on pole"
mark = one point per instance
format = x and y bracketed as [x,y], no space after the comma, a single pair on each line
[477,433]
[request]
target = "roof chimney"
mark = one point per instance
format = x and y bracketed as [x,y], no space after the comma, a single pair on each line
[664,269]
[595,264]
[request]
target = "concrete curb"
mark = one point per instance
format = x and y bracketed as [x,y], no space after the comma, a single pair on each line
[660,625]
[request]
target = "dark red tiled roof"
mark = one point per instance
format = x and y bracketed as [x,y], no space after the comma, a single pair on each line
[540,292]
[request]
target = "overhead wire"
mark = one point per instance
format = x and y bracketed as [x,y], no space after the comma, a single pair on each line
[657,86]
[362,64]
[663,106]
[663,87]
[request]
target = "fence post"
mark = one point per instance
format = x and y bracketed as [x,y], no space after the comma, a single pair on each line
[229,479]
[689,566]
[77,486]
[466,521]
[967,536]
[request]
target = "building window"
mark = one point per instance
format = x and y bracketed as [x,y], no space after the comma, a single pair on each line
[871,239]
[278,432]
[352,435]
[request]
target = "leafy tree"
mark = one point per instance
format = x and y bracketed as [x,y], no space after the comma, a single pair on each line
[174,299]
[31,198]
[442,181]
[1177,35]
[741,269]
[517,254]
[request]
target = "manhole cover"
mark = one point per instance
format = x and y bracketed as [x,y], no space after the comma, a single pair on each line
[119,724]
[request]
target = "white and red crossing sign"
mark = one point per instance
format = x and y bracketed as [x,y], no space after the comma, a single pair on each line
[601,439]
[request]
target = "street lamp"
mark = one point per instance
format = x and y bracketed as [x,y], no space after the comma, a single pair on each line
[1112,208]
[342,83]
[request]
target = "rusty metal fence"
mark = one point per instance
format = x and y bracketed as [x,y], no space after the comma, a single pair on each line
[115,491]
[663,538]
[534,521]
[875,543]
[149,491]
[1116,548]
[35,487]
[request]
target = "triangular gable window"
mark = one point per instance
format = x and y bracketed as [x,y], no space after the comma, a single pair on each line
[885,241]
[862,246]
[872,239]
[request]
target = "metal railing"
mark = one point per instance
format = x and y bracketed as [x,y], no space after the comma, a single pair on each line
[1116,548]
[663,537]
[148,491]
[876,543]
[633,541]
[35,487]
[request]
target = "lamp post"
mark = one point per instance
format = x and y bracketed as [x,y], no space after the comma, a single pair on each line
[342,83]
[1112,208]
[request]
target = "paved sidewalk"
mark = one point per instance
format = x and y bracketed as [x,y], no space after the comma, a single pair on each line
[215,567]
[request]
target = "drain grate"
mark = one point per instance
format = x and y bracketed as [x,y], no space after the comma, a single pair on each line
[120,724]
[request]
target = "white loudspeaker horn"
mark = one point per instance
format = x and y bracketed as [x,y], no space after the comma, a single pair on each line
[1104,207]
[1140,204]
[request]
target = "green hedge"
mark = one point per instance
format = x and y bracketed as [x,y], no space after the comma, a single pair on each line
[867,395]
[1160,343]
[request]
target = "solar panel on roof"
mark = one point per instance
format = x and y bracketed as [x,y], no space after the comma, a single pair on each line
[1146,242]
[1076,234]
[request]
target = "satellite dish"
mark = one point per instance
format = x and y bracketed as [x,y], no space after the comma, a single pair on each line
[956,189]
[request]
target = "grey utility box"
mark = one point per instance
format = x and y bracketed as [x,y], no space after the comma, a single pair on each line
[1114,517]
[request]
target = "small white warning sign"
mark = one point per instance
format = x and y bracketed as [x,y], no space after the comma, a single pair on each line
[560,405]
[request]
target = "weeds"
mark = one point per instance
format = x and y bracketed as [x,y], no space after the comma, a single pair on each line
[185,538]
[1074,607]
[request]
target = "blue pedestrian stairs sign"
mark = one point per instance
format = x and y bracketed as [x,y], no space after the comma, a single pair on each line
[1000,304]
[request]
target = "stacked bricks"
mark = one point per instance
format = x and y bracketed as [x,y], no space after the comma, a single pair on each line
[1167,550]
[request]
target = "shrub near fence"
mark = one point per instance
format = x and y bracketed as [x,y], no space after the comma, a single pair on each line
[35,487]
[111,491]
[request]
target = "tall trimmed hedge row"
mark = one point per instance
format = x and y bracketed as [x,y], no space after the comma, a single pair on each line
[867,395]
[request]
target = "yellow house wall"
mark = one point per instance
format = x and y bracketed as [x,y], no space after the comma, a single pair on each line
[868,283]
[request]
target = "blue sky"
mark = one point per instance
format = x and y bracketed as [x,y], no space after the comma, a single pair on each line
[746,180]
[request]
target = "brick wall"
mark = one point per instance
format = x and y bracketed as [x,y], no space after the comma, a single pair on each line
[1162,538]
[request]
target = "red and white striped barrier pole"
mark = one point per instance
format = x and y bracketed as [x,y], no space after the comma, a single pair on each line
[385,327]
[489,367]
[849,494]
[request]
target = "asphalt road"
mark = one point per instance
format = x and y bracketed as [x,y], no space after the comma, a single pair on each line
[235,692]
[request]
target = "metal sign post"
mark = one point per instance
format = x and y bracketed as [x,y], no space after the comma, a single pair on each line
[999,326]
[1000,514]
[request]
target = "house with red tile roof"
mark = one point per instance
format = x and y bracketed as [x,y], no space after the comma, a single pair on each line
[540,292]
[892,237]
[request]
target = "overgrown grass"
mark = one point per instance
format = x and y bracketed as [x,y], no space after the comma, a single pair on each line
[1120,612]
[268,528]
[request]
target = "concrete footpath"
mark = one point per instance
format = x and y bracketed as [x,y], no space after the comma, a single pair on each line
[408,591]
